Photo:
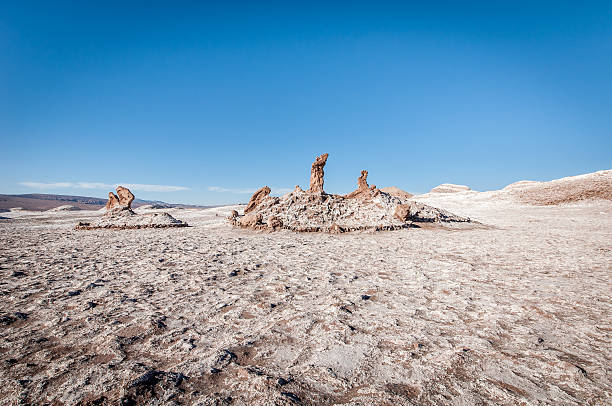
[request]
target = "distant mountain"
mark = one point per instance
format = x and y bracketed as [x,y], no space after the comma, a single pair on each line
[42,202]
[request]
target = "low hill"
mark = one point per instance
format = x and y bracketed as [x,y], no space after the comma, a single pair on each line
[449,188]
[397,192]
[43,202]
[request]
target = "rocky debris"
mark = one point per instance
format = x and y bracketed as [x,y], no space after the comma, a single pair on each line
[256,199]
[113,201]
[450,188]
[317,174]
[121,216]
[125,196]
[65,207]
[397,192]
[367,208]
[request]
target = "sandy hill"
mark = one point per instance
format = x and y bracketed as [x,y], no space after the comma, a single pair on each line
[591,186]
[397,192]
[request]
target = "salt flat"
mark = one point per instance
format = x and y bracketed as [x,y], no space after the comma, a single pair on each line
[518,312]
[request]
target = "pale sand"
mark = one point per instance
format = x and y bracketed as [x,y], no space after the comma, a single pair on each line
[517,313]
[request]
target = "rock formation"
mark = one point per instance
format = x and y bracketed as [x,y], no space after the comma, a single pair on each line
[367,208]
[256,199]
[113,201]
[363,189]
[125,196]
[317,173]
[119,215]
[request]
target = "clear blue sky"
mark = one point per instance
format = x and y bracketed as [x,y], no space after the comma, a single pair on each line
[220,99]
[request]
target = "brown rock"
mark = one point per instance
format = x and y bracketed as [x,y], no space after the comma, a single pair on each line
[113,201]
[125,196]
[317,173]
[362,181]
[402,212]
[233,215]
[252,220]
[298,188]
[256,199]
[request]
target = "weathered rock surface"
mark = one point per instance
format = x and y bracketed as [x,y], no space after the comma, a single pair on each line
[256,199]
[367,208]
[518,314]
[113,201]
[317,174]
[418,212]
[125,196]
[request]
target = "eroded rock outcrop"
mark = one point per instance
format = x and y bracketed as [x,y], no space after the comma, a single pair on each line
[256,199]
[119,215]
[367,208]
[317,174]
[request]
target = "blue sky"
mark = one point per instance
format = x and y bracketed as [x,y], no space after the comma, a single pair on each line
[205,102]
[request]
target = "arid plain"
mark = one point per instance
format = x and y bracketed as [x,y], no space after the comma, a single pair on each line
[516,310]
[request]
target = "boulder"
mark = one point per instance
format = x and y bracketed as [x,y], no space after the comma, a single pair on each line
[274,223]
[251,220]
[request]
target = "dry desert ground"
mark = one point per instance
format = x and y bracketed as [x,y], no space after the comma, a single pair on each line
[516,311]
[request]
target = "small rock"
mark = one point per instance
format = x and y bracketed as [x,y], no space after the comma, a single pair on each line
[365,297]
[74,292]
[7,320]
